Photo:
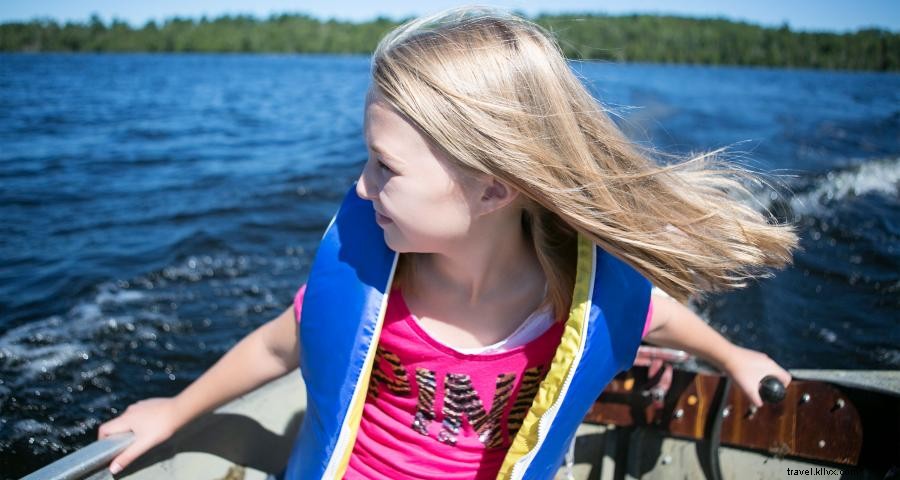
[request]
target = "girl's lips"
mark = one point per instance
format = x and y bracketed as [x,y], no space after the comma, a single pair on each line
[382,219]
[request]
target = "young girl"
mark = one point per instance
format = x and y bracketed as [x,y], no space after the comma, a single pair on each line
[490,270]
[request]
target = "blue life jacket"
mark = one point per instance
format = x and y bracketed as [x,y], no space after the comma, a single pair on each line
[343,312]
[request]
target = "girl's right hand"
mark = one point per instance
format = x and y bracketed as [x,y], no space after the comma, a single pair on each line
[153,421]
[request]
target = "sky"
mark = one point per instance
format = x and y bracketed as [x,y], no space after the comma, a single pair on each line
[806,15]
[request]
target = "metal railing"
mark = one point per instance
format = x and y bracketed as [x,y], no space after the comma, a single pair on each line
[91,459]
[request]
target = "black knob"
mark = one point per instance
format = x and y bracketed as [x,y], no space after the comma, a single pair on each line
[771,389]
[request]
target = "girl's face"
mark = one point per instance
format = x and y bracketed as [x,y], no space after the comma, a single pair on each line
[420,203]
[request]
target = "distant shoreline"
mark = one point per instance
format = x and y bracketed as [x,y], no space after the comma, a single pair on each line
[660,39]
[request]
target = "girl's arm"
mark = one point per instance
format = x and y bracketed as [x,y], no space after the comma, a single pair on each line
[676,326]
[265,354]
[268,352]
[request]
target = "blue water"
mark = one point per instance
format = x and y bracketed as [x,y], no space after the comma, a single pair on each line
[156,208]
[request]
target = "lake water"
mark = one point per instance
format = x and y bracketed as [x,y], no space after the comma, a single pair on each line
[154,209]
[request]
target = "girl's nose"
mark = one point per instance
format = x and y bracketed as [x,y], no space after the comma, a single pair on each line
[362,189]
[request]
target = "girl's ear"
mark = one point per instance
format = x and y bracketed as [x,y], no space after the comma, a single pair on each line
[495,194]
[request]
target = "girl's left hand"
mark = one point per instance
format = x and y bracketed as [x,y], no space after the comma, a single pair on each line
[748,367]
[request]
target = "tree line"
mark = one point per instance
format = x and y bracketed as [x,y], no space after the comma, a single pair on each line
[626,38]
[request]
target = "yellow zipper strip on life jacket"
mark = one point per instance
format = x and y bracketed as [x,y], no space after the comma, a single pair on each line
[349,428]
[564,361]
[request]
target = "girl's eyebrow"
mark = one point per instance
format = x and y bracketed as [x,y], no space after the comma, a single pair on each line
[377,149]
[389,156]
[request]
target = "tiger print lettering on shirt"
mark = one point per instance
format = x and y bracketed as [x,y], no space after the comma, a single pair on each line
[460,400]
[425,402]
[397,382]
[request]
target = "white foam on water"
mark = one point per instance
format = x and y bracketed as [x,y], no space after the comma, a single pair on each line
[111,295]
[17,345]
[45,345]
[874,176]
[31,426]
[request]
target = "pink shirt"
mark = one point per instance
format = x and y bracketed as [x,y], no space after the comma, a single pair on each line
[434,412]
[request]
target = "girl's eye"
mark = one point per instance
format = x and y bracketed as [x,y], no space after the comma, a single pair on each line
[382,166]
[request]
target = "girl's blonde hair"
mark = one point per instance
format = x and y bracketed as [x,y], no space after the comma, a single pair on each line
[494,92]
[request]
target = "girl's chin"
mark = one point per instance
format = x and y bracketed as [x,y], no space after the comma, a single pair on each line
[395,244]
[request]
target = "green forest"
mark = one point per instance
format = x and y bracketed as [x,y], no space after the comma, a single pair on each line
[628,38]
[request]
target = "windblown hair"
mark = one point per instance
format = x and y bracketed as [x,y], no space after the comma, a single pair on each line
[493,91]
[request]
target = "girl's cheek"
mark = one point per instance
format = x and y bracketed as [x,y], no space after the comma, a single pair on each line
[388,186]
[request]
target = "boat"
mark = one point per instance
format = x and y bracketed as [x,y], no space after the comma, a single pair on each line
[669,416]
